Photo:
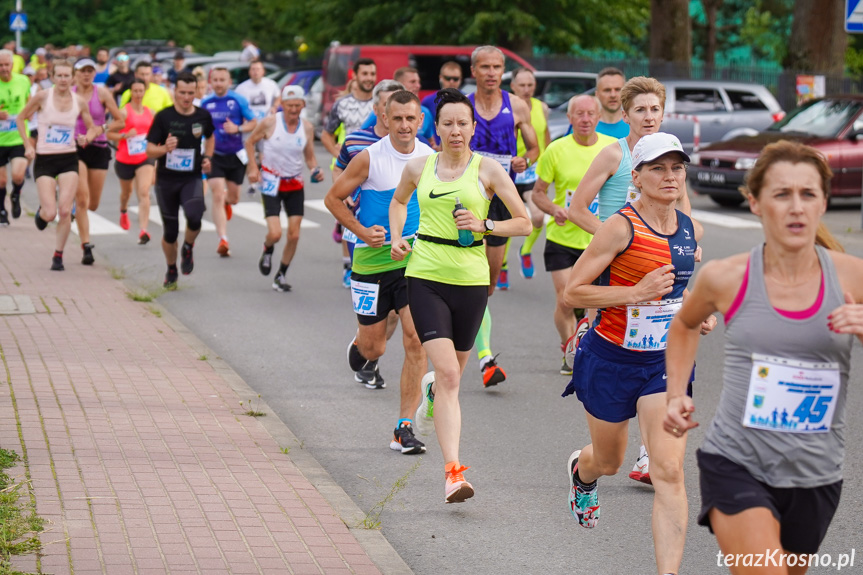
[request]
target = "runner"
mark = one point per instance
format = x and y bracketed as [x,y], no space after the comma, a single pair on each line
[56,159]
[288,142]
[643,257]
[771,462]
[564,163]
[378,283]
[353,109]
[121,79]
[409,77]
[174,140]
[448,270]
[261,92]
[156,97]
[231,117]
[250,51]
[450,77]
[179,66]
[498,117]
[132,165]
[609,83]
[93,159]
[14,94]
[103,68]
[523,85]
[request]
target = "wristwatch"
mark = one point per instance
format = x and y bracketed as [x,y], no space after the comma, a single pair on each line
[489,227]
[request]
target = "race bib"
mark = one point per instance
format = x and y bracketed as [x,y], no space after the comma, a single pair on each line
[243,156]
[526,177]
[791,396]
[180,160]
[647,324]
[59,135]
[10,124]
[365,298]
[632,194]
[137,145]
[504,160]
[594,206]
[269,183]
[349,236]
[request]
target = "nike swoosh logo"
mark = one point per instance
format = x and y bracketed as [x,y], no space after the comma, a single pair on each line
[433,195]
[664,376]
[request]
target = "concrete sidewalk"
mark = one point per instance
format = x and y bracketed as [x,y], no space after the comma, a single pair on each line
[136,446]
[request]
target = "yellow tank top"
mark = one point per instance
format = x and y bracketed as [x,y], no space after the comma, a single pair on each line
[440,262]
[537,120]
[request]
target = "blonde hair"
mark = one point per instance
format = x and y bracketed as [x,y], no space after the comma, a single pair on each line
[639,85]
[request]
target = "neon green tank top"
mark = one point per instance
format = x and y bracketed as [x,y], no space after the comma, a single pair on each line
[439,262]
[13,97]
[540,126]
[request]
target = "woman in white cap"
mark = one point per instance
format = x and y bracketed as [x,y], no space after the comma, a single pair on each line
[288,143]
[771,462]
[643,257]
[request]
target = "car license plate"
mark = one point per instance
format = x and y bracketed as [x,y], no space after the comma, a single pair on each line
[711,178]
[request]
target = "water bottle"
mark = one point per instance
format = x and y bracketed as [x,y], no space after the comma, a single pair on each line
[465,237]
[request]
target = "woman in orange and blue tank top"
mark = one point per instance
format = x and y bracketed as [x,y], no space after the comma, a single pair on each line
[644,256]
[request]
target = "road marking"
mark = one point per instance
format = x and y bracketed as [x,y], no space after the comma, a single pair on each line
[317,205]
[254,212]
[725,221]
[156,218]
[100,226]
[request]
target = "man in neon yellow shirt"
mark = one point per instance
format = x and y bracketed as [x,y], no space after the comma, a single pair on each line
[156,97]
[14,94]
[564,163]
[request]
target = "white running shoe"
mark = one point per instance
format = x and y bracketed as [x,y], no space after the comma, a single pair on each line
[641,471]
[424,418]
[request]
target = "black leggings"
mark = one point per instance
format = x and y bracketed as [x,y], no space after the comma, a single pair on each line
[173,194]
[446,310]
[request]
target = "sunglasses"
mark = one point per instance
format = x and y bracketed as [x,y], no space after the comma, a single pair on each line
[452,78]
[123,58]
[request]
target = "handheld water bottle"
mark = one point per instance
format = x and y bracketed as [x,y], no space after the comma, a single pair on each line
[465,237]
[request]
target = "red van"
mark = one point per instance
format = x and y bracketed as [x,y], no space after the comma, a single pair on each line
[339,61]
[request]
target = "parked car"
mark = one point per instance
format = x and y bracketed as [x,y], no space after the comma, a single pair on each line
[833,125]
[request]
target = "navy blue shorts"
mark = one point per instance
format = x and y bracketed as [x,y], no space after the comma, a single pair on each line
[609,380]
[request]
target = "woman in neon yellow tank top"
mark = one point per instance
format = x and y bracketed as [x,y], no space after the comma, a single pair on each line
[448,282]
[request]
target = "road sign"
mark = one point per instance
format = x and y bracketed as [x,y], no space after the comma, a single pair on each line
[854,16]
[18,21]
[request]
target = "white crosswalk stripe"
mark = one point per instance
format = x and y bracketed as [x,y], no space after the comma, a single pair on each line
[100,226]
[725,221]
[254,212]
[156,218]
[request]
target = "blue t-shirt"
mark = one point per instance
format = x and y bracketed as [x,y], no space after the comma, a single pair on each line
[425,133]
[230,106]
[617,130]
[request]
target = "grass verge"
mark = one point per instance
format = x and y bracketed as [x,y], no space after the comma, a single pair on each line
[19,525]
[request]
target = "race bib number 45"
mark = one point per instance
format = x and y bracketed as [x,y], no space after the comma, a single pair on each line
[791,396]
[365,298]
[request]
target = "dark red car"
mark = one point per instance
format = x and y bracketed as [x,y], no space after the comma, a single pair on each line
[833,125]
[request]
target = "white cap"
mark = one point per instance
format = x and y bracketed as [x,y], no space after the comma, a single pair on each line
[41,51]
[84,63]
[28,71]
[653,146]
[293,92]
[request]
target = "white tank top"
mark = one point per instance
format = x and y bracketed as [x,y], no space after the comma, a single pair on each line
[283,151]
[56,128]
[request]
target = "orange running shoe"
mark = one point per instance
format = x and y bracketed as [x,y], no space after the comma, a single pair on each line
[229,212]
[124,220]
[457,489]
[223,249]
[492,373]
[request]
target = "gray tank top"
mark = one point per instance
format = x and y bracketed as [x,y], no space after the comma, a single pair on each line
[780,459]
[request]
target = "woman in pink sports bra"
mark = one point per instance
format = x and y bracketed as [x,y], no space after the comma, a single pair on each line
[771,461]
[56,160]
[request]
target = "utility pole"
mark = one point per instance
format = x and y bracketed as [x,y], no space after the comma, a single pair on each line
[18,8]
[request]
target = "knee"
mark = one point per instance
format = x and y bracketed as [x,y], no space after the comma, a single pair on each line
[667,470]
[194,224]
[371,349]
[171,232]
[294,235]
[274,237]
[447,379]
[65,214]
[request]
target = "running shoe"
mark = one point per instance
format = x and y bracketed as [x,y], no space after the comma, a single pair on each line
[224,249]
[57,263]
[187,259]
[16,204]
[492,373]
[503,280]
[583,503]
[457,490]
[279,283]
[337,233]
[355,358]
[641,471]
[565,368]
[370,376]
[424,417]
[4,218]
[170,278]
[143,238]
[346,278]
[573,342]
[265,264]
[404,441]
[124,221]
[229,212]
[40,223]
[526,266]
[88,258]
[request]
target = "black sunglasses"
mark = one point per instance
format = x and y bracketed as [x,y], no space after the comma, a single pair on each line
[452,78]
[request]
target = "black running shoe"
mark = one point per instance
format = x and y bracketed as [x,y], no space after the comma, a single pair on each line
[369,375]
[4,218]
[40,223]
[16,205]
[187,261]
[355,358]
[404,441]
[170,278]
[88,258]
[265,264]
[57,264]
[279,283]
[143,239]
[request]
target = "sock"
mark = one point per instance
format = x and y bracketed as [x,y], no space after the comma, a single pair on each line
[483,338]
[283,268]
[582,484]
[346,262]
[268,249]
[506,254]
[527,247]
[404,421]
[16,188]
[3,199]
[172,268]
[58,254]
[123,211]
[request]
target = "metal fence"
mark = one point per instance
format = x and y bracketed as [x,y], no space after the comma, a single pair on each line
[782,83]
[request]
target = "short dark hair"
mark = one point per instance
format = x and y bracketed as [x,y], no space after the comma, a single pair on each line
[187,77]
[143,64]
[451,96]
[101,48]
[520,70]
[404,71]
[610,71]
[137,81]
[363,62]
[256,61]
[403,97]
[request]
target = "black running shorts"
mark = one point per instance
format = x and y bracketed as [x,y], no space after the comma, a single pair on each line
[293,203]
[227,166]
[391,294]
[52,165]
[446,310]
[94,156]
[559,257]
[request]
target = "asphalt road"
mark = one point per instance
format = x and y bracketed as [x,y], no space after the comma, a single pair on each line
[290,347]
